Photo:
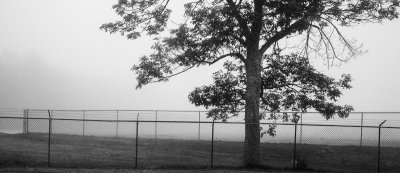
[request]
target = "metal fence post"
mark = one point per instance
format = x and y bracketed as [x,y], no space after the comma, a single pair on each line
[294,146]
[137,138]
[198,135]
[27,120]
[155,128]
[117,126]
[212,144]
[301,127]
[362,123]
[84,121]
[153,155]
[24,122]
[379,145]
[49,140]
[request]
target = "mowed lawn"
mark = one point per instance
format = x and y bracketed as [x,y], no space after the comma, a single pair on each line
[73,151]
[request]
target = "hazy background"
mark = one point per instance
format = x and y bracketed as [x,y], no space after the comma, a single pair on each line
[53,56]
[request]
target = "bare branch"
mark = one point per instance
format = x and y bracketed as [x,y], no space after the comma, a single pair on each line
[279,35]
[175,74]
[328,44]
[345,41]
[237,55]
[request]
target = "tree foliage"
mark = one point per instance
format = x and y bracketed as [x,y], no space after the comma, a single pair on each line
[289,83]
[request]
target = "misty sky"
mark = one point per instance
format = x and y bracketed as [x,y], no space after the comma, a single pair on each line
[53,56]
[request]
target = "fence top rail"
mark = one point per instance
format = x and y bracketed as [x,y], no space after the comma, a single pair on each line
[203,111]
[206,122]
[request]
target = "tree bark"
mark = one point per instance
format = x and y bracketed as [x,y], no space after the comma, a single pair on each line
[252,119]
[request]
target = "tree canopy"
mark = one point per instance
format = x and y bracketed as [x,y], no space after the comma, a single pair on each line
[217,29]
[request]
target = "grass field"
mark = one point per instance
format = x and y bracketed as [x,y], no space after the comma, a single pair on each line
[73,151]
[76,170]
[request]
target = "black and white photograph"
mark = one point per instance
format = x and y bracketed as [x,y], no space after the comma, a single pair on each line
[278,86]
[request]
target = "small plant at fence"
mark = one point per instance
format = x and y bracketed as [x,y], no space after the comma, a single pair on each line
[300,163]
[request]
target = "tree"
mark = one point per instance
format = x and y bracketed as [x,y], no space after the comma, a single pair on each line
[249,32]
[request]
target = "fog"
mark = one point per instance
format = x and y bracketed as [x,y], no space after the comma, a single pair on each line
[53,56]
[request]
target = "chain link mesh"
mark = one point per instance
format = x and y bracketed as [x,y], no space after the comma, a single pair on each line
[187,139]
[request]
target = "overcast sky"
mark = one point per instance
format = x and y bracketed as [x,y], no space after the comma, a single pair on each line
[53,56]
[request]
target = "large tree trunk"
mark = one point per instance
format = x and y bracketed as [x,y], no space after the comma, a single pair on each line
[252,120]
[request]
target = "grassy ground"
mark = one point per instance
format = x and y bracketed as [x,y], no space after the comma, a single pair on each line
[74,170]
[94,153]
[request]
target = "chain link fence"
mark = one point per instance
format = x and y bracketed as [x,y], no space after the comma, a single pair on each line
[187,139]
